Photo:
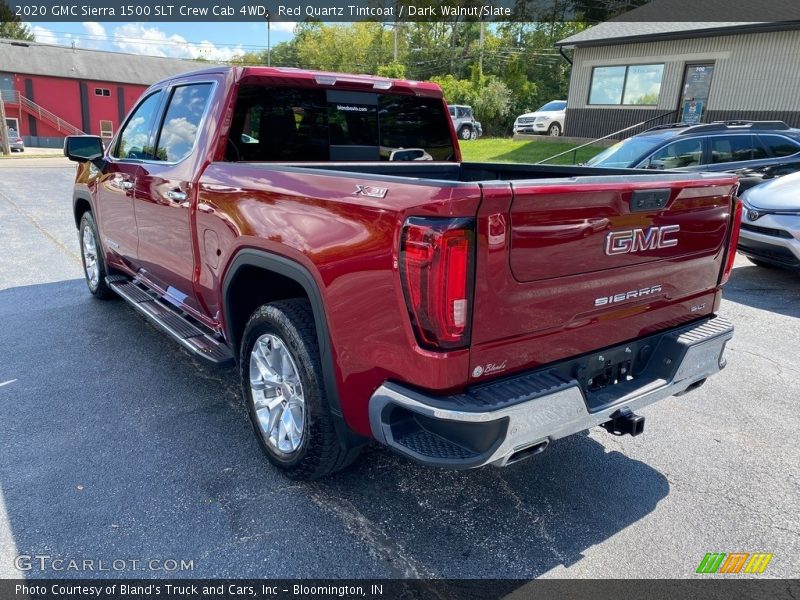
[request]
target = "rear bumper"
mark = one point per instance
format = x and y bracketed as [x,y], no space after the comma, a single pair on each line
[494,422]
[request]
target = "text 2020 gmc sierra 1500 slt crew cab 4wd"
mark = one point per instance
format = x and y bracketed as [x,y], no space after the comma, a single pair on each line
[321,232]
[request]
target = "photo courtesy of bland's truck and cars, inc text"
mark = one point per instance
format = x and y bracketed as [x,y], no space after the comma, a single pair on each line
[399,299]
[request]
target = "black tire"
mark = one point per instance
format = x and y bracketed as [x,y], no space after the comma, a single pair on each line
[554,130]
[99,289]
[320,453]
[465,133]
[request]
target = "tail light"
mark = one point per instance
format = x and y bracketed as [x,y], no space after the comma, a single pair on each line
[436,269]
[18,141]
[736,223]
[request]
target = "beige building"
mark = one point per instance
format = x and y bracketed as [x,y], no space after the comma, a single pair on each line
[625,73]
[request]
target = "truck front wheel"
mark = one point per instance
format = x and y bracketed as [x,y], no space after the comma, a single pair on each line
[94,264]
[282,385]
[465,133]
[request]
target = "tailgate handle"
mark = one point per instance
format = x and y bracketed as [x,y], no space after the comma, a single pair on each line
[643,200]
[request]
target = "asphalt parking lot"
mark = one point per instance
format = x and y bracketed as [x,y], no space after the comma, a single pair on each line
[116,444]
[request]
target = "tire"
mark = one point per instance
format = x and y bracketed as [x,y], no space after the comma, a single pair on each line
[309,449]
[473,135]
[554,130]
[94,271]
[465,133]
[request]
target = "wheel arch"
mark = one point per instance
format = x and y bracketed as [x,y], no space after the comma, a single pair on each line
[81,203]
[293,280]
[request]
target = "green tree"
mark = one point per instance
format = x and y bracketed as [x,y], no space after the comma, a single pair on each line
[393,70]
[488,96]
[11,27]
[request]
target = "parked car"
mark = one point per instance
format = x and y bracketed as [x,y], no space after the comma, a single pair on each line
[461,314]
[464,122]
[549,119]
[756,149]
[15,141]
[770,233]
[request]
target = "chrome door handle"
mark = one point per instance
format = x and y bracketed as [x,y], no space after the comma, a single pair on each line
[176,195]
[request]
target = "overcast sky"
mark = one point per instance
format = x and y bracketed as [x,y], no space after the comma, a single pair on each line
[209,40]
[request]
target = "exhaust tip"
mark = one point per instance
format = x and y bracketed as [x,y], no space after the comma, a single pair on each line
[526,452]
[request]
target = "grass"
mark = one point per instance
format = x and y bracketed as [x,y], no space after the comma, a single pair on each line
[508,150]
[17,155]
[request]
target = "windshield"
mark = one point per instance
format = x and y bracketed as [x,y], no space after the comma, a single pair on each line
[626,153]
[554,106]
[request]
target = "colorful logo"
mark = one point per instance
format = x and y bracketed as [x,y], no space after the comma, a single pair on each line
[735,562]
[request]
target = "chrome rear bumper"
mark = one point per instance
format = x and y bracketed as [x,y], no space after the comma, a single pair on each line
[491,423]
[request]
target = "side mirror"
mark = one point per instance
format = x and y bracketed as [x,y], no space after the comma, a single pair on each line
[84,148]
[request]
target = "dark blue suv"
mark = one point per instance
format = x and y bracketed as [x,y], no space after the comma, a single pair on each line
[758,149]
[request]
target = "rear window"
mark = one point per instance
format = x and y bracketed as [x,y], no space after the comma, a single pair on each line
[273,123]
[733,148]
[779,145]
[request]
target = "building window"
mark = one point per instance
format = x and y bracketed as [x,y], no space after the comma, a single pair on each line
[628,85]
[102,92]
[106,129]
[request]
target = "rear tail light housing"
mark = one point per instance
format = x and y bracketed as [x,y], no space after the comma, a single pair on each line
[437,264]
[736,223]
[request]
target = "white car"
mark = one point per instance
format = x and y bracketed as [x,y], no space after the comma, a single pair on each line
[549,119]
[770,234]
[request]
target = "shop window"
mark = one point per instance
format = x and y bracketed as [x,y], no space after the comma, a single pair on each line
[633,85]
[106,129]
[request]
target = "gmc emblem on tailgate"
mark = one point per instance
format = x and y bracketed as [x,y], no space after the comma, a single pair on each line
[629,241]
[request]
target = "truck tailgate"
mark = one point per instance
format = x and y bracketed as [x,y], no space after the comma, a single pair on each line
[568,267]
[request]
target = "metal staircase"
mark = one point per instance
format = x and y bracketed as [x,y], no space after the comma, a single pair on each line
[28,106]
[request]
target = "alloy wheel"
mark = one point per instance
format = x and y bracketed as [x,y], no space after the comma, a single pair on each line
[277,394]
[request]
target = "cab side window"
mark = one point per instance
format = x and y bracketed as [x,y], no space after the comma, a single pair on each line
[685,153]
[135,141]
[181,122]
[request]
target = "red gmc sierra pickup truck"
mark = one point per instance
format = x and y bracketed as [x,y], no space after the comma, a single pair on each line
[321,232]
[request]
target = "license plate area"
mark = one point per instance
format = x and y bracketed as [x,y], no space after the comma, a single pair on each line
[609,368]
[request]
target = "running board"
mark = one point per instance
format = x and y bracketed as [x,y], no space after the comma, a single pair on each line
[173,324]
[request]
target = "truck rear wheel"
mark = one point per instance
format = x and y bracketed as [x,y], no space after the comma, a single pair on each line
[282,385]
[94,264]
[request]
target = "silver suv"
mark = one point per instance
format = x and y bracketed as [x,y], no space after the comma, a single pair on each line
[770,234]
[464,122]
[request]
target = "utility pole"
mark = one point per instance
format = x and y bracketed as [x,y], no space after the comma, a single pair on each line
[5,144]
[480,54]
[396,25]
[269,45]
